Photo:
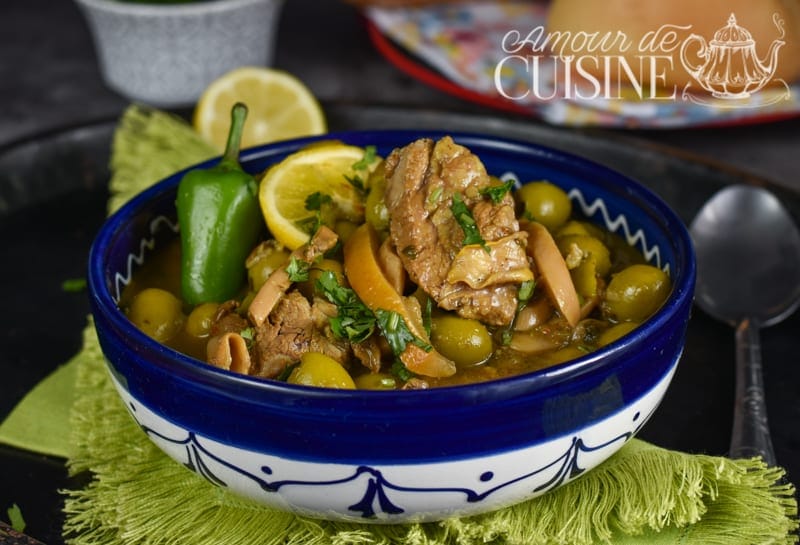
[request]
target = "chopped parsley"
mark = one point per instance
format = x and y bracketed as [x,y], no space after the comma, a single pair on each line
[525,293]
[370,154]
[249,336]
[15,518]
[427,312]
[523,296]
[497,192]
[357,183]
[315,202]
[283,376]
[73,285]
[435,196]
[401,371]
[297,269]
[396,332]
[464,218]
[354,320]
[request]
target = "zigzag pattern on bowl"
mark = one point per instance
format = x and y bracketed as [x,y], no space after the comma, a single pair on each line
[618,225]
[148,243]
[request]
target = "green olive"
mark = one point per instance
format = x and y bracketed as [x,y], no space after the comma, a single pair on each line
[376,381]
[572,227]
[615,332]
[589,248]
[375,211]
[588,259]
[344,228]
[246,301]
[157,313]
[584,278]
[577,227]
[466,342]
[263,261]
[624,254]
[317,369]
[546,203]
[199,322]
[308,287]
[561,355]
[596,231]
[635,293]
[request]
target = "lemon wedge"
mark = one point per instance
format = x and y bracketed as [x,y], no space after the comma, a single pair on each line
[327,168]
[280,105]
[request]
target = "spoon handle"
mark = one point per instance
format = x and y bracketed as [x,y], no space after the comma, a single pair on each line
[750,436]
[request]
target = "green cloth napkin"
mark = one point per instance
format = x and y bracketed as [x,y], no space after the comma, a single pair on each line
[138,496]
[40,422]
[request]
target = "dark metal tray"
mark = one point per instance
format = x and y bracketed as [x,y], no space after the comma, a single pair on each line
[52,201]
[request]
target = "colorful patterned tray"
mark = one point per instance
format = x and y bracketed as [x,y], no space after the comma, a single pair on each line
[457,48]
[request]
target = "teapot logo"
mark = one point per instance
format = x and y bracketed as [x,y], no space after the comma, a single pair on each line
[729,67]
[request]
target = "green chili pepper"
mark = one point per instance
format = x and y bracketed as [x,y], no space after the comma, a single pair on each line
[220,222]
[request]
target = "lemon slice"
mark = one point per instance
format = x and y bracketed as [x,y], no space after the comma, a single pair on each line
[323,168]
[280,106]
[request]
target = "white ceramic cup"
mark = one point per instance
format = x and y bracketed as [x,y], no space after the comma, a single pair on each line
[165,55]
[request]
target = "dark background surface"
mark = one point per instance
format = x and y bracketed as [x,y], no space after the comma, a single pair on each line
[49,80]
[56,119]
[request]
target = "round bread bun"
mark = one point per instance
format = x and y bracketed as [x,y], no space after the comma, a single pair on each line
[637,18]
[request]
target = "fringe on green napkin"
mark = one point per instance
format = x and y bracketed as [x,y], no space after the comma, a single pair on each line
[642,494]
[148,146]
[137,496]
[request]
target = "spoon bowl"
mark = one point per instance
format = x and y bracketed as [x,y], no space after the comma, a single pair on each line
[748,275]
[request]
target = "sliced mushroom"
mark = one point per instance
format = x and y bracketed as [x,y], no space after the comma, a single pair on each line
[553,271]
[532,343]
[589,305]
[534,313]
[229,351]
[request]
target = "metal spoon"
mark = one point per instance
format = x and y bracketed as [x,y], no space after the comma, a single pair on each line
[748,275]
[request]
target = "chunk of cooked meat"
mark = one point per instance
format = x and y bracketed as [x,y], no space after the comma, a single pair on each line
[278,282]
[293,328]
[421,179]
[369,353]
[227,320]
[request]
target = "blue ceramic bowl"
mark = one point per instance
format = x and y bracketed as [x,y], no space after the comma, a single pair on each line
[399,456]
